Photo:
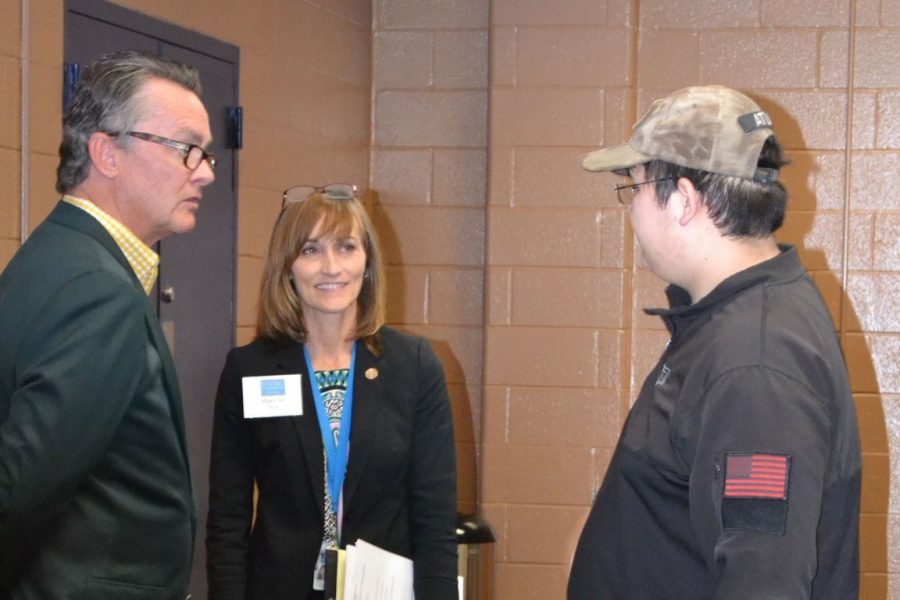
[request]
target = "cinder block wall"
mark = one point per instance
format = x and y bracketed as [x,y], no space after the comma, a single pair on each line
[429,167]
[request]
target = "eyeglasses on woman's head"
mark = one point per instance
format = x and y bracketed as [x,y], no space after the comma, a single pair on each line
[335,191]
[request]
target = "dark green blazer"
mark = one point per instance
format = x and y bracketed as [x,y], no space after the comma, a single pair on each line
[95,491]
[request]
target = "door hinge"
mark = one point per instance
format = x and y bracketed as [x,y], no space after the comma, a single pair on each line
[71,76]
[236,120]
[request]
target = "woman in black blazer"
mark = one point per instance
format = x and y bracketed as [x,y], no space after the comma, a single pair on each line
[321,310]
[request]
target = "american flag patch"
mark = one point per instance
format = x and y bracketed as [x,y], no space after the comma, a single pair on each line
[756,476]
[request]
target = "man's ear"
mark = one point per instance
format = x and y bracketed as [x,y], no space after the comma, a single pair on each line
[104,154]
[690,202]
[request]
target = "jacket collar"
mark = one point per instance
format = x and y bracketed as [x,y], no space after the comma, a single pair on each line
[783,267]
[69,215]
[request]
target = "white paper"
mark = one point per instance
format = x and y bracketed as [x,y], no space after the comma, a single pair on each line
[272,396]
[376,574]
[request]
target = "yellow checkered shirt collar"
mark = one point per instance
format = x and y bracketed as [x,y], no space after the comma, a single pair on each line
[143,260]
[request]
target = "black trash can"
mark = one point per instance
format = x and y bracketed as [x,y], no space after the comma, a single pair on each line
[475,541]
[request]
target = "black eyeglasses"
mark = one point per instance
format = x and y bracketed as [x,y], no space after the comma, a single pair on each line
[193,154]
[335,191]
[627,192]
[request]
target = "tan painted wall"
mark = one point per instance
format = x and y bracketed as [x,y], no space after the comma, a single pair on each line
[467,119]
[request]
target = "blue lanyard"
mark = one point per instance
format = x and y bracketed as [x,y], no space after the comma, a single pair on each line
[337,455]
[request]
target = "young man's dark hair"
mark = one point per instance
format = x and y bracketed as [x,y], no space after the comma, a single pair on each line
[738,206]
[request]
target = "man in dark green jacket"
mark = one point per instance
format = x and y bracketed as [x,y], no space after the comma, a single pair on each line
[95,490]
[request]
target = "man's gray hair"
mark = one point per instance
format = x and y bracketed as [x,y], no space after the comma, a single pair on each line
[106,99]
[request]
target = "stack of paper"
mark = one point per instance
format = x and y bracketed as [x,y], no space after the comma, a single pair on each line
[366,572]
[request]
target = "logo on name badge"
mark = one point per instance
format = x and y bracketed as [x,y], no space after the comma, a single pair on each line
[271,387]
[272,396]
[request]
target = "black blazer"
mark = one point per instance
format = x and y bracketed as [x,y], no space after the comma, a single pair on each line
[399,491]
[95,490]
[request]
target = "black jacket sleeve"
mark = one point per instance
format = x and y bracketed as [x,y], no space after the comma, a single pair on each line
[230,491]
[760,548]
[432,485]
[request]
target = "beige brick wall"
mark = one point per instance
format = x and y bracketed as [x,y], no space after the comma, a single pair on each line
[429,168]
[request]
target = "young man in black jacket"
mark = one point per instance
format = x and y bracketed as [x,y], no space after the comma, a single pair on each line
[737,474]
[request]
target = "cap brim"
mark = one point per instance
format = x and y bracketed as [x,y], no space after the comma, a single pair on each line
[613,158]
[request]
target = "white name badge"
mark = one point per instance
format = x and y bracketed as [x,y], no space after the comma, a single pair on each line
[272,396]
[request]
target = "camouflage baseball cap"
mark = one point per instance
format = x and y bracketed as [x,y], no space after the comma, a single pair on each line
[710,128]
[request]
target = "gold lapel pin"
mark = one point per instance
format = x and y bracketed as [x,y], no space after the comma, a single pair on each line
[371,373]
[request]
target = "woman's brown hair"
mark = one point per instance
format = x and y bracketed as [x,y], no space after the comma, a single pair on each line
[280,317]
